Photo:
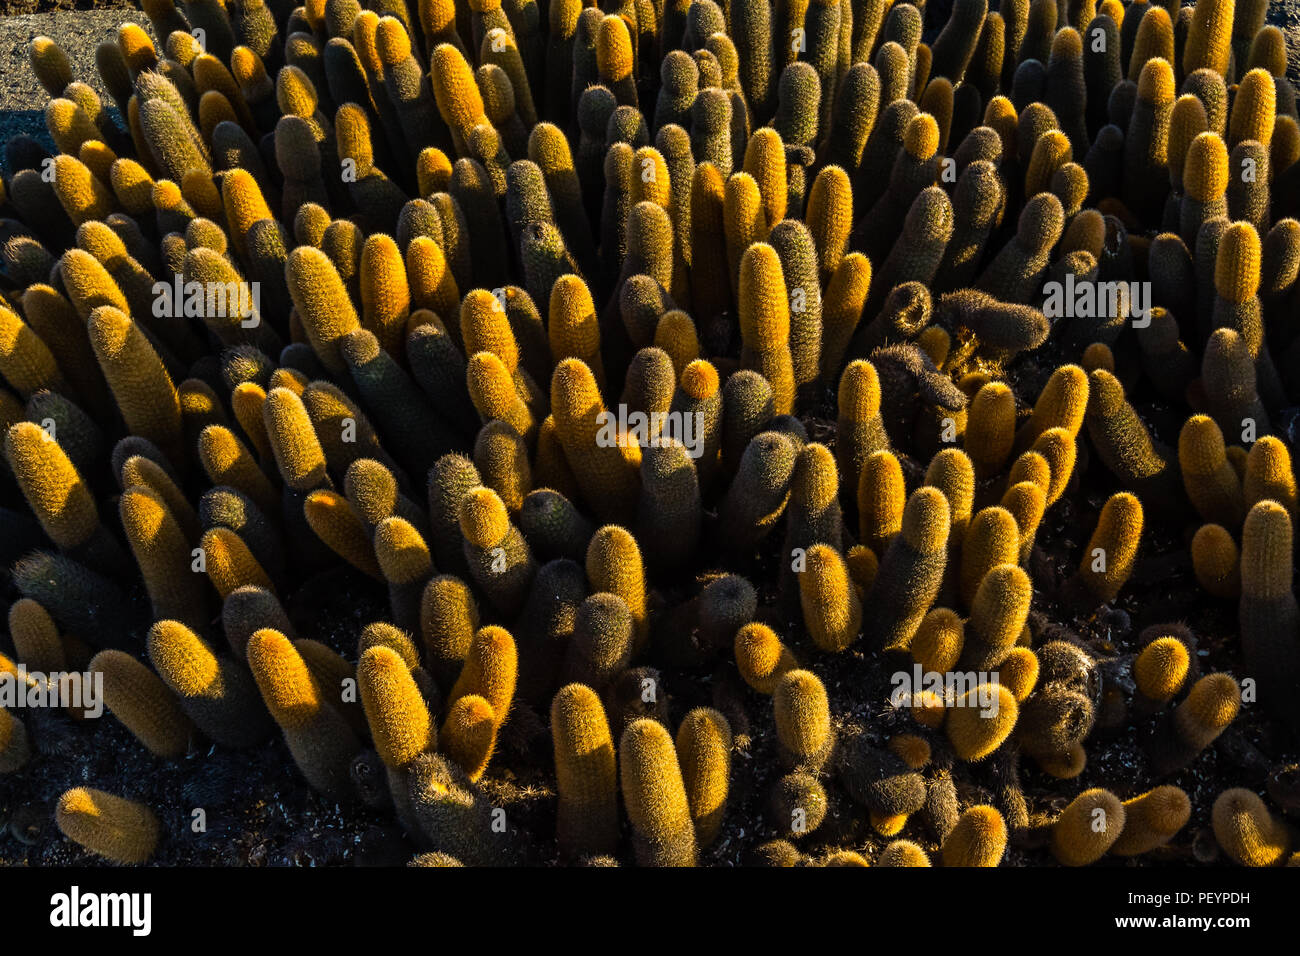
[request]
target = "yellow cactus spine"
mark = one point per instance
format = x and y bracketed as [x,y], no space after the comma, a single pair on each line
[978,839]
[704,754]
[1211,482]
[587,808]
[491,670]
[1088,827]
[860,430]
[990,428]
[1268,613]
[980,720]
[1111,553]
[607,480]
[1151,820]
[143,703]
[911,571]
[54,489]
[1216,561]
[803,721]
[320,740]
[831,608]
[1210,706]
[143,390]
[162,551]
[1269,474]
[1247,831]
[217,694]
[654,793]
[322,304]
[1209,38]
[881,498]
[614,565]
[1160,670]
[761,657]
[998,615]
[469,735]
[395,710]
[765,323]
[118,829]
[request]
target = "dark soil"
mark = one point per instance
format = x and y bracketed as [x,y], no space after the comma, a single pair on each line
[13,8]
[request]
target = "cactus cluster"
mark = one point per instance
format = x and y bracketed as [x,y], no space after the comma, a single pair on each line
[466,402]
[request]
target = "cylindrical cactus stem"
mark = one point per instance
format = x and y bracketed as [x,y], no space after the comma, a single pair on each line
[1209,39]
[1151,820]
[319,737]
[247,610]
[36,637]
[952,50]
[804,730]
[765,323]
[938,643]
[1247,192]
[1268,614]
[1088,827]
[861,432]
[605,476]
[978,839]
[911,571]
[990,429]
[58,496]
[654,792]
[796,249]
[756,500]
[143,703]
[981,719]
[587,806]
[14,746]
[977,203]
[403,560]
[993,538]
[881,498]
[119,830]
[1211,482]
[614,565]
[832,610]
[217,694]
[1216,562]
[1210,706]
[669,514]
[139,381]
[1016,273]
[498,556]
[704,744]
[1111,553]
[998,616]
[761,658]
[162,550]
[1125,446]
[396,712]
[1269,474]
[1204,178]
[601,646]
[553,526]
[1247,831]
